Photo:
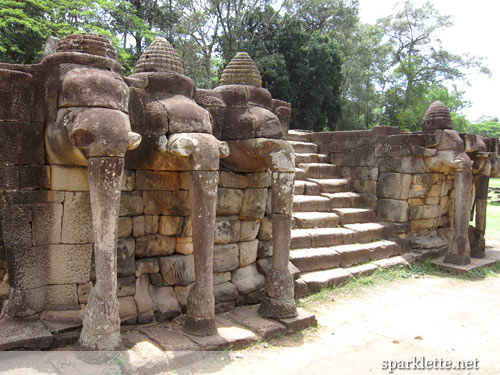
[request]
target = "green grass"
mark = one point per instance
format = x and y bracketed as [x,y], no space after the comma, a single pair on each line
[493,214]
[381,277]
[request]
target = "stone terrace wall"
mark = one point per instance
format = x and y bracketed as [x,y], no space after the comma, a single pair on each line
[390,171]
[155,261]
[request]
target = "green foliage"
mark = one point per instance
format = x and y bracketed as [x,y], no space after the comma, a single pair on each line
[489,129]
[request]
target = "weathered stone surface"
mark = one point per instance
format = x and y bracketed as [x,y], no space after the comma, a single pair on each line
[221,277]
[227,229]
[266,229]
[248,279]
[254,204]
[184,245]
[24,334]
[249,230]
[157,180]
[138,226]
[62,294]
[171,339]
[19,137]
[156,279]
[265,249]
[182,293]
[146,224]
[77,221]
[394,185]
[229,201]
[176,203]
[125,286]
[177,269]
[249,317]
[128,310]
[225,292]
[359,173]
[145,304]
[392,210]
[226,257]
[170,225]
[131,204]
[405,164]
[69,178]
[166,304]
[84,291]
[71,317]
[146,265]
[154,245]
[259,180]
[248,252]
[47,223]
[124,227]
[125,257]
[233,180]
[34,177]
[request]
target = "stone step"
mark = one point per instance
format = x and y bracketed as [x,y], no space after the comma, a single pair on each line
[367,232]
[319,170]
[317,280]
[298,135]
[311,158]
[332,185]
[316,259]
[355,215]
[308,203]
[307,220]
[304,147]
[321,237]
[343,200]
[300,174]
[303,187]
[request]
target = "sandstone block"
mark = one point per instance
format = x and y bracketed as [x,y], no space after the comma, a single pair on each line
[182,293]
[124,227]
[249,230]
[226,257]
[405,164]
[145,304]
[392,210]
[128,310]
[77,219]
[83,291]
[62,294]
[229,201]
[154,245]
[138,226]
[169,225]
[47,223]
[259,180]
[184,245]
[227,229]
[157,180]
[254,204]
[248,252]
[177,270]
[125,251]
[225,292]
[175,203]
[233,180]
[146,266]
[34,177]
[221,277]
[394,185]
[131,204]
[266,229]
[418,191]
[265,249]
[69,178]
[166,304]
[248,279]
[125,286]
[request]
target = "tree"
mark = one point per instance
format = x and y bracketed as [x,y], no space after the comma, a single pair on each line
[418,60]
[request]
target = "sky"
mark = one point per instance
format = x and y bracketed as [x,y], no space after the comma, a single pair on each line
[475,31]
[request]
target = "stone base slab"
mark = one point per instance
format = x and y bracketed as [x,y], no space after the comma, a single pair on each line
[491,257]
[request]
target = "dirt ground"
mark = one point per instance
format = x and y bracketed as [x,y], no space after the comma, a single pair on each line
[441,319]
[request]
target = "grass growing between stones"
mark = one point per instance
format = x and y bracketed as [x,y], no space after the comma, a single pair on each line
[383,277]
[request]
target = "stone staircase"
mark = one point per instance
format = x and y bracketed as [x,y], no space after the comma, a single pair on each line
[335,237]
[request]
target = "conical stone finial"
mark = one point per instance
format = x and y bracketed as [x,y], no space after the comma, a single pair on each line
[437,117]
[92,44]
[160,56]
[241,71]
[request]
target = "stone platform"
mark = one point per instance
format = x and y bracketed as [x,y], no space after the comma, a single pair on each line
[148,349]
[492,257]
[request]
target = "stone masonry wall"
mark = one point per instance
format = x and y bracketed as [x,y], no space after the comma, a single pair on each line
[155,261]
[389,169]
